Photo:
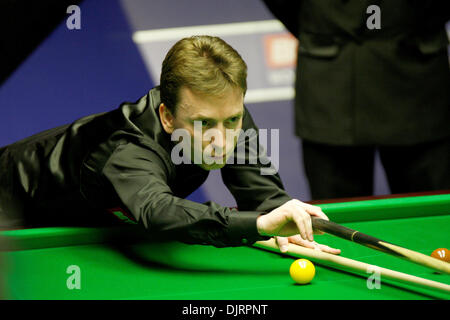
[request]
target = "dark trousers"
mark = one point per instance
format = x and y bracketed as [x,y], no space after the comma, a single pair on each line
[347,171]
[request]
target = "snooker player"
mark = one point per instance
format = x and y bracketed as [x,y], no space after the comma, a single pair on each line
[118,165]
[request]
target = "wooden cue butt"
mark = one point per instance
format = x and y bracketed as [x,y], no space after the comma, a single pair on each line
[380,245]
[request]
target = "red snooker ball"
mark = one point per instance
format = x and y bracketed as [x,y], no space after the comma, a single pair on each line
[441,254]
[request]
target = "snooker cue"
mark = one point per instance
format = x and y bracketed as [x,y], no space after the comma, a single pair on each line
[380,245]
[340,262]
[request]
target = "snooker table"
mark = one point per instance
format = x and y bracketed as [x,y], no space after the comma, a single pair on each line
[121,263]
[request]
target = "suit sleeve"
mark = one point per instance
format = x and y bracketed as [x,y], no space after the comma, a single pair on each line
[140,179]
[252,178]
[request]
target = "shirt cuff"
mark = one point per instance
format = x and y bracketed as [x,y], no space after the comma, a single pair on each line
[242,227]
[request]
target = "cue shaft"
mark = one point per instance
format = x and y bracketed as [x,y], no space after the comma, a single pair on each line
[343,263]
[380,245]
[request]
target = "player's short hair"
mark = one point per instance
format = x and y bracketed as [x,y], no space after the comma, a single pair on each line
[204,64]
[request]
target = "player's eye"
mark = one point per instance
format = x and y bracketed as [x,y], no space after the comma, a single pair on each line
[205,123]
[233,121]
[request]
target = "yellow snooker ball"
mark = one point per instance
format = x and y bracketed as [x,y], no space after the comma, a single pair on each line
[302,271]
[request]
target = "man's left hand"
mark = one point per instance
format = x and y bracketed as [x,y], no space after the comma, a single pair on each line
[282,243]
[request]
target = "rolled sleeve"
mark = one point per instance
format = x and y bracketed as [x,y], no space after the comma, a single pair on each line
[242,227]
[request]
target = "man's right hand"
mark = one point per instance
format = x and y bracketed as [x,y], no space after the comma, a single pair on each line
[293,217]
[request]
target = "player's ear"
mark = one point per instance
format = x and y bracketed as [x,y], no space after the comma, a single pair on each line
[167,118]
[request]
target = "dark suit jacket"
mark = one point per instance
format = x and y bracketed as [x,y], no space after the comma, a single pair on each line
[120,162]
[357,86]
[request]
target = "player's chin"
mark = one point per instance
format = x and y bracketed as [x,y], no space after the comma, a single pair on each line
[213,166]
